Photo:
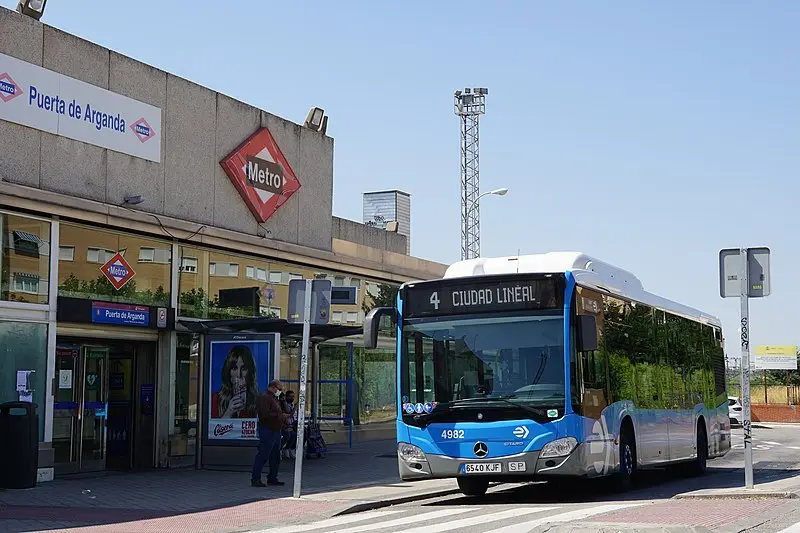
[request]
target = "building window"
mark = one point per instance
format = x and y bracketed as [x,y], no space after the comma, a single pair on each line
[337,317]
[26,283]
[256,273]
[275,276]
[66,253]
[147,255]
[183,441]
[27,243]
[352,317]
[24,259]
[100,256]
[293,275]
[189,265]
[155,255]
[338,281]
[79,274]
[225,270]
[23,349]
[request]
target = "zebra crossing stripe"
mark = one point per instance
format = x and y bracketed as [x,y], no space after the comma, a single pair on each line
[525,527]
[354,518]
[475,520]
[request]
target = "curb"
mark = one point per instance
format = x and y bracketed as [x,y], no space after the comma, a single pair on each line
[380,504]
[738,495]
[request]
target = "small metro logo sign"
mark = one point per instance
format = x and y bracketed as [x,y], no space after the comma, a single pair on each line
[262,175]
[117,271]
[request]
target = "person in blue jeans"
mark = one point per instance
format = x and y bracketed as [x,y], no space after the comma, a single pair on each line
[271,420]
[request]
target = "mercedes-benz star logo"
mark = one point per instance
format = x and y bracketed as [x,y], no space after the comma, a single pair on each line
[480,450]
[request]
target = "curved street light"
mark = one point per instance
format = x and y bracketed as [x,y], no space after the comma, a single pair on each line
[497,192]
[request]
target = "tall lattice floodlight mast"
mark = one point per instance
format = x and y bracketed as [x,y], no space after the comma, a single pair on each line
[470,104]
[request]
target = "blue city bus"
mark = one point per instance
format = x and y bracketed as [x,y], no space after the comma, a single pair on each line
[551,366]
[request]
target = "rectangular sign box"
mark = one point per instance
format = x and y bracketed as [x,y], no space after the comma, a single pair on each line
[48,101]
[120,314]
[758,272]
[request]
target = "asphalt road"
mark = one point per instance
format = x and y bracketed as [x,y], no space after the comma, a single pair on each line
[592,506]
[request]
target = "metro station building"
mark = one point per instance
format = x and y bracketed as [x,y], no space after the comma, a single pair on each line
[132,200]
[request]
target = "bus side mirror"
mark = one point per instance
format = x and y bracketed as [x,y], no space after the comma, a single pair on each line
[372,323]
[587,333]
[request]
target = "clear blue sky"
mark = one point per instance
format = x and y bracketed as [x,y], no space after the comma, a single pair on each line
[648,134]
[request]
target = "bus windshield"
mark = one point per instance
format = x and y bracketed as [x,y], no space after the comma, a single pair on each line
[458,361]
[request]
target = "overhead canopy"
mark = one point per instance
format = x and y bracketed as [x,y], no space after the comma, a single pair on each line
[319,333]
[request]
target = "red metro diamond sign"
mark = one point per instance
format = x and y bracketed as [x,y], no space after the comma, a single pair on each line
[117,271]
[262,175]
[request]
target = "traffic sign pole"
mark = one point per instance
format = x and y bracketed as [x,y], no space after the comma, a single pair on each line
[745,337]
[301,408]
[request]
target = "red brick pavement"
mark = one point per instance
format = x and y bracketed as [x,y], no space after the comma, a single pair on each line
[262,513]
[711,513]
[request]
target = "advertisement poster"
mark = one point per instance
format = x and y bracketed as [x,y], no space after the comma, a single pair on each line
[239,370]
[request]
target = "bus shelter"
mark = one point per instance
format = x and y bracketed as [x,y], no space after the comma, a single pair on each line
[229,440]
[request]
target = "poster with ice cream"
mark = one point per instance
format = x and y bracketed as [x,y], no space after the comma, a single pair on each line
[239,370]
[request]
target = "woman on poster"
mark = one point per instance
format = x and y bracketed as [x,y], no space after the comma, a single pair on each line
[237,395]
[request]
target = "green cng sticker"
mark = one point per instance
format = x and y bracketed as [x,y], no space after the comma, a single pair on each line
[552,413]
[92,381]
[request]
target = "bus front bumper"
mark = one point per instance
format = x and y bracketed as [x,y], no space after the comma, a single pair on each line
[585,461]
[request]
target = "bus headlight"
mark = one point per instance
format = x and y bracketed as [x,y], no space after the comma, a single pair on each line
[558,447]
[410,453]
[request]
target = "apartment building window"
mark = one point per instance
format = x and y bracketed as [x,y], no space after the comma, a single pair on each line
[155,255]
[275,276]
[189,265]
[352,317]
[337,317]
[229,270]
[66,253]
[100,255]
[293,275]
[259,274]
[26,283]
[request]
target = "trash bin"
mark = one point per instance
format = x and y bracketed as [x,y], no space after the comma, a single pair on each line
[19,445]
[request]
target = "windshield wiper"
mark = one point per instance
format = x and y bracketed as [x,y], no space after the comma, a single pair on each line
[505,399]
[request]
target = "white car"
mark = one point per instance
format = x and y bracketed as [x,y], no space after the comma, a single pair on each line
[734,411]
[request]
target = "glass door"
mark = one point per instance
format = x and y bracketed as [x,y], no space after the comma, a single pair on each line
[94,408]
[80,408]
[65,408]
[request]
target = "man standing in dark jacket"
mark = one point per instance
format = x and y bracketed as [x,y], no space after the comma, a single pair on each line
[271,420]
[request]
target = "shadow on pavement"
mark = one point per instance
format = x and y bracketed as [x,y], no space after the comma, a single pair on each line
[651,484]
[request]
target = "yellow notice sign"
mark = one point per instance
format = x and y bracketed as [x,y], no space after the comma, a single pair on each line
[776,357]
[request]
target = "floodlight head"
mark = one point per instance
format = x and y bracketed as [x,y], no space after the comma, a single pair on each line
[32,8]
[314,118]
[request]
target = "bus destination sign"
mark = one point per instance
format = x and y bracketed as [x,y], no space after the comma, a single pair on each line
[464,296]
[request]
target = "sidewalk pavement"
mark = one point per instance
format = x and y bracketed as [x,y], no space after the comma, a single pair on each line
[205,500]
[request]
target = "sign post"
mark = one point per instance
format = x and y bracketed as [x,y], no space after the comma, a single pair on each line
[301,409]
[316,297]
[745,269]
[744,300]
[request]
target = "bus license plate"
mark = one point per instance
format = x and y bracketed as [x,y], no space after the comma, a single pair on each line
[482,468]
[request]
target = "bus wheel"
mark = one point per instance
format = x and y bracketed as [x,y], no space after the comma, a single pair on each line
[627,459]
[470,486]
[698,466]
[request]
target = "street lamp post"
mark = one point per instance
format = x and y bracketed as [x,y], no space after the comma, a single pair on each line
[476,251]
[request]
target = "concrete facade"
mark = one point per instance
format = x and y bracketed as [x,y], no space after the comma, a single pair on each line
[200,127]
[62,218]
